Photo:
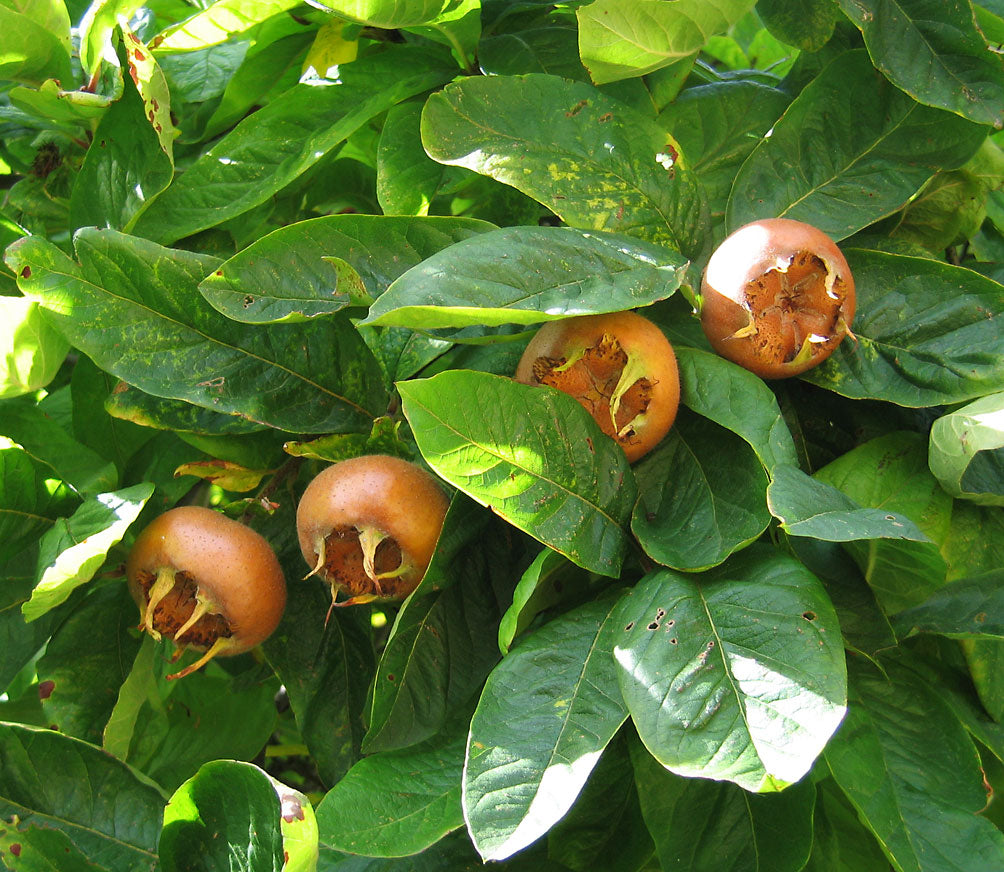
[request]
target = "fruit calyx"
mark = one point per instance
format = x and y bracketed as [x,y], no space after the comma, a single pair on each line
[795,308]
[607,381]
[176,607]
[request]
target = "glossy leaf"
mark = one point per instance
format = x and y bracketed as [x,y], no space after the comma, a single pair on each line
[623,38]
[397,803]
[809,507]
[228,812]
[868,157]
[736,674]
[287,275]
[594,162]
[76,547]
[322,381]
[966,451]
[912,774]
[891,473]
[737,400]
[545,716]
[284,139]
[967,607]
[217,21]
[525,275]
[949,355]
[700,824]
[933,50]
[533,455]
[692,511]
[407,178]
[41,772]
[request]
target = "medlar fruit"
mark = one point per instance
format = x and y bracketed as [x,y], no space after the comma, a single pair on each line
[777,297]
[207,582]
[619,366]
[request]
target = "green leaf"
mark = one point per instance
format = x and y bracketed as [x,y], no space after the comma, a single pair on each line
[75,548]
[700,824]
[911,772]
[545,716]
[389,14]
[840,843]
[525,275]
[949,354]
[278,143]
[39,849]
[737,400]
[397,803]
[692,510]
[735,674]
[36,42]
[326,666]
[593,161]
[965,608]
[890,473]
[105,810]
[809,507]
[144,324]
[534,455]
[85,663]
[805,24]
[298,825]
[227,813]
[623,38]
[933,50]
[966,451]
[217,22]
[288,274]
[31,351]
[434,662]
[129,403]
[407,178]
[840,162]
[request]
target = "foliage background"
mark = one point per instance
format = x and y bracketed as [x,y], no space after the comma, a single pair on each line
[246,239]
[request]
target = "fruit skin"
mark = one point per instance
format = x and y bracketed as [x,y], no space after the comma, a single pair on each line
[650,358]
[799,329]
[352,508]
[235,569]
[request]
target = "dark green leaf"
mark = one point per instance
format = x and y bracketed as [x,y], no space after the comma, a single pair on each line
[547,712]
[807,506]
[590,159]
[967,607]
[966,451]
[525,275]
[144,325]
[534,455]
[890,473]
[927,334]
[435,659]
[39,849]
[623,38]
[735,674]
[397,803]
[407,178]
[454,853]
[285,277]
[699,824]
[840,843]
[108,813]
[933,50]
[911,772]
[281,141]
[693,510]
[737,400]
[131,404]
[806,24]
[227,814]
[840,162]
[326,666]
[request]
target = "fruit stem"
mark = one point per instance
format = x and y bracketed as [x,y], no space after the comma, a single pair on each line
[160,589]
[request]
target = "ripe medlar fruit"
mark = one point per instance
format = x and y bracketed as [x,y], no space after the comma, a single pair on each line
[207,582]
[369,525]
[619,366]
[777,297]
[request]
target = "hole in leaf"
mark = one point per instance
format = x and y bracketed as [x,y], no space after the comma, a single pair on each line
[809,616]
